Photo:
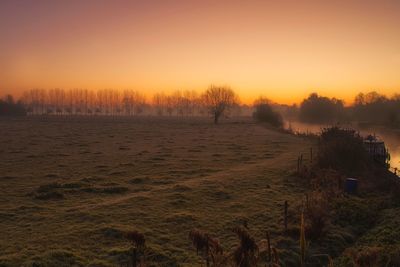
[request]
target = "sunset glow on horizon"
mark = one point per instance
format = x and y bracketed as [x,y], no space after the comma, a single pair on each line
[283,50]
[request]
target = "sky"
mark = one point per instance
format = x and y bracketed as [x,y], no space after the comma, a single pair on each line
[280,49]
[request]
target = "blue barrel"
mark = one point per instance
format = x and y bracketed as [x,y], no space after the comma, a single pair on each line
[351,185]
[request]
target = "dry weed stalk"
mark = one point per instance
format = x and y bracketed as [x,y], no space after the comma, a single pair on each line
[208,246]
[246,254]
[302,241]
[138,243]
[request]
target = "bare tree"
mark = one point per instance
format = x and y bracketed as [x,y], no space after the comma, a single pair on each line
[139,102]
[218,99]
[159,104]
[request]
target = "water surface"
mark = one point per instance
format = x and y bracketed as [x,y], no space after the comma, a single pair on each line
[391,137]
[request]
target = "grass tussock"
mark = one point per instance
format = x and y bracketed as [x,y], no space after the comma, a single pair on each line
[48,192]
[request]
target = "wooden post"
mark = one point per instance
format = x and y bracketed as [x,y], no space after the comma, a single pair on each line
[311,155]
[285,215]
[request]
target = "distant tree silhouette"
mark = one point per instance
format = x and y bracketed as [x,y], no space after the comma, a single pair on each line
[83,102]
[376,108]
[217,99]
[180,103]
[112,102]
[8,107]
[319,109]
[264,113]
[190,102]
[159,103]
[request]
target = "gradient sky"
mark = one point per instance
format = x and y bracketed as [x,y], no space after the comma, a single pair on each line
[280,49]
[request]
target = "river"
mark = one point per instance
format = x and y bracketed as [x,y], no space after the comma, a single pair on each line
[391,137]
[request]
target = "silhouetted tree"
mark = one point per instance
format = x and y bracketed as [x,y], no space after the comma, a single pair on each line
[376,108]
[218,99]
[264,113]
[319,109]
[10,108]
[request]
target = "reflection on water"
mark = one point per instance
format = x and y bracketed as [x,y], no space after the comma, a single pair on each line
[392,141]
[391,137]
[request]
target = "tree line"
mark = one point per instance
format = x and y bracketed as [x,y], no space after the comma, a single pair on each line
[369,107]
[83,102]
[127,102]
[217,101]
[8,107]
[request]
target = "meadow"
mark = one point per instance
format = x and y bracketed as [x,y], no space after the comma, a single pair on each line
[71,187]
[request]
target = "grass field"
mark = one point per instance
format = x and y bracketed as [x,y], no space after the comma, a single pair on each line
[70,188]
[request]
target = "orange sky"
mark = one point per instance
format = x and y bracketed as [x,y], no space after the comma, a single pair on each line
[280,49]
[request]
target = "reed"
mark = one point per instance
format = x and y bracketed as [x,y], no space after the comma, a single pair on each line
[302,241]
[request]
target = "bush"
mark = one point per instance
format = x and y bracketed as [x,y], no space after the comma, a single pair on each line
[342,150]
[264,113]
